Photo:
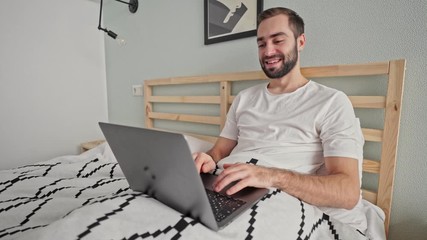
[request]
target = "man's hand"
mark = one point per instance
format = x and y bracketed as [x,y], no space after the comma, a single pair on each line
[246,175]
[204,162]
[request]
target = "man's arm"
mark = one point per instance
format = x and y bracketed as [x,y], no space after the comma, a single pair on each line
[340,188]
[206,162]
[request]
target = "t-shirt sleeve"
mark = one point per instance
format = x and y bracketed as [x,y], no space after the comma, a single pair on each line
[230,129]
[340,130]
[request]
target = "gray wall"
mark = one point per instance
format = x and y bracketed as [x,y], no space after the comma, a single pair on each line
[52,75]
[165,38]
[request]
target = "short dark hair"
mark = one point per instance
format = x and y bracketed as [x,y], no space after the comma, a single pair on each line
[295,21]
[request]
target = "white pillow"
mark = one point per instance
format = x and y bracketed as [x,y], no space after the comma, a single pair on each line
[195,145]
[108,154]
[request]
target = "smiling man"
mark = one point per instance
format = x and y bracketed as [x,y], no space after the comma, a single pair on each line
[299,136]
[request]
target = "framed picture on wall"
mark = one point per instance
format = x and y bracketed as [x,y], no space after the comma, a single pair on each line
[230,19]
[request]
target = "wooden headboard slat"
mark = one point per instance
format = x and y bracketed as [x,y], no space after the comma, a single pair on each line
[370,196]
[185,99]
[369,69]
[368,101]
[357,101]
[373,135]
[211,139]
[185,118]
[231,77]
[371,166]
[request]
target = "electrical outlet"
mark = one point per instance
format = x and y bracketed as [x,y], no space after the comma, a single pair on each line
[137,90]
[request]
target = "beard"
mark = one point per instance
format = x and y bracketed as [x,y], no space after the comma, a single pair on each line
[288,63]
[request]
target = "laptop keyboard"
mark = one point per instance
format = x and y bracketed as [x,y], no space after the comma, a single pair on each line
[223,205]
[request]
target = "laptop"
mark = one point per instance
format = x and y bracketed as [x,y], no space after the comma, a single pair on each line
[160,165]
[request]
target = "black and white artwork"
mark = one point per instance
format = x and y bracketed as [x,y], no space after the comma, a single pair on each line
[230,19]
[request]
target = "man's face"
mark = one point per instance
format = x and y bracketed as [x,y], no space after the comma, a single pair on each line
[277,47]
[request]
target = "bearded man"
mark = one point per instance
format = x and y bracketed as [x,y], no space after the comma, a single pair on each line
[300,136]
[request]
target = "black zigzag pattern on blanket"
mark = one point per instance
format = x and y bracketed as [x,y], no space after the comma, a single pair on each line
[112,169]
[99,183]
[254,212]
[23,175]
[80,172]
[325,217]
[180,226]
[43,194]
[107,216]
[252,161]
[36,197]
[9,183]
[34,167]
[4,232]
[253,209]
[18,231]
[103,198]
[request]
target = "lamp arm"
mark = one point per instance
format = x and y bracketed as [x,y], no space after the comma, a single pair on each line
[124,2]
[133,7]
[100,16]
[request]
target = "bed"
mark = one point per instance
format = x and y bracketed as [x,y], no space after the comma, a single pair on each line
[86,196]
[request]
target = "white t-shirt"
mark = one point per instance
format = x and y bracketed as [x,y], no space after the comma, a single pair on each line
[296,131]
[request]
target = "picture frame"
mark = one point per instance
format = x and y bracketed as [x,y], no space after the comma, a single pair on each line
[227,20]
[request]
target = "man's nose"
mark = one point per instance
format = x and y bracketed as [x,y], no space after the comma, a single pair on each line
[269,50]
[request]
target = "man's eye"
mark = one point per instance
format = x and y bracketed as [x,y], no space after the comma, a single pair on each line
[261,45]
[278,41]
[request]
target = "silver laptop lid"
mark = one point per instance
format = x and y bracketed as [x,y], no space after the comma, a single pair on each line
[160,164]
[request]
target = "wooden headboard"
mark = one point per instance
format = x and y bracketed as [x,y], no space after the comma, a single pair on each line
[388,103]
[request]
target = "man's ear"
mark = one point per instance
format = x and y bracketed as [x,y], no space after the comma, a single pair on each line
[301,42]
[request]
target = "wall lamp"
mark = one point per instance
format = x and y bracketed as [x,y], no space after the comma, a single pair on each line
[133,7]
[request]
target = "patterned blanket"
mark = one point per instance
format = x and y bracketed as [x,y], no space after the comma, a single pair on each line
[87,197]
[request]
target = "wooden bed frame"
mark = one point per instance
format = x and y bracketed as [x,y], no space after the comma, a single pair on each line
[390,103]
